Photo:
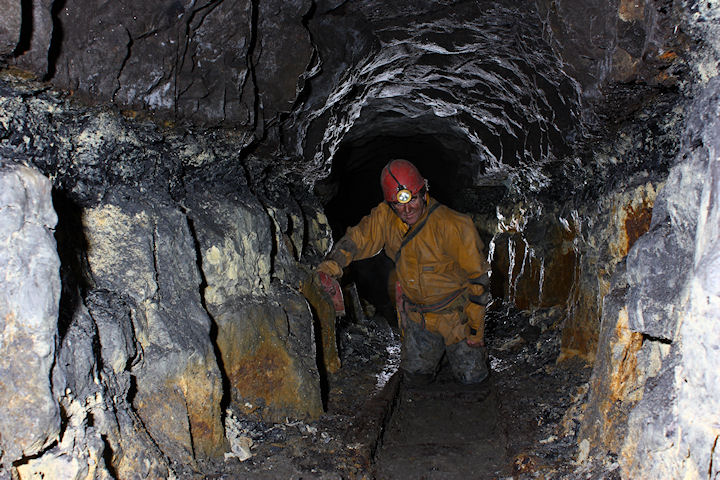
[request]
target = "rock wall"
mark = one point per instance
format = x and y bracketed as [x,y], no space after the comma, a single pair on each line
[653,394]
[264,341]
[180,292]
[29,266]
[673,431]
[207,63]
[533,256]
[179,250]
[621,41]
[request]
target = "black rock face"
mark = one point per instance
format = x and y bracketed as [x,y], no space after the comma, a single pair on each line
[229,63]
[514,89]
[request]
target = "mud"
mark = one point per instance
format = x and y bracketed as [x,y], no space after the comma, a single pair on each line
[444,430]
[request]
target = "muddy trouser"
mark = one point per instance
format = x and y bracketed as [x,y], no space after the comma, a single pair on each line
[422,351]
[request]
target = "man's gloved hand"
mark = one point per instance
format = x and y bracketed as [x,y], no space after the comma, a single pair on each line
[330,268]
[476,340]
[476,322]
[328,272]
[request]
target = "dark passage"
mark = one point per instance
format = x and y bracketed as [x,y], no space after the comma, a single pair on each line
[508,425]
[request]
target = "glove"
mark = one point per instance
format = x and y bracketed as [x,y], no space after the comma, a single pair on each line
[476,322]
[332,287]
[330,268]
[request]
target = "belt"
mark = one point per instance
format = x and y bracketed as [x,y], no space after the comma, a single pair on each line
[433,307]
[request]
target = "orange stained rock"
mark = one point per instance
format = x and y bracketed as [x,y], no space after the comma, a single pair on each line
[631,219]
[203,392]
[580,333]
[668,56]
[534,282]
[268,375]
[162,413]
[527,287]
[624,349]
[559,277]
[183,413]
[577,341]
[616,386]
[637,222]
[665,78]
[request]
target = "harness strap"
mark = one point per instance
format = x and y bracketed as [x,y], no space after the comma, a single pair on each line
[407,304]
[415,231]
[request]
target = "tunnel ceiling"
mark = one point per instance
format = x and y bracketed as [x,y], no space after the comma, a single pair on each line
[479,76]
[502,90]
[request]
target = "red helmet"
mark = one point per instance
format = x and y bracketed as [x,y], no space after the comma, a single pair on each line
[400,181]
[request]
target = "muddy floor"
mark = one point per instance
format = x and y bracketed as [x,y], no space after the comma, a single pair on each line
[520,423]
[444,430]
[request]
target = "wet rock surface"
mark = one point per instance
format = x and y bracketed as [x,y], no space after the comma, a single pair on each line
[501,92]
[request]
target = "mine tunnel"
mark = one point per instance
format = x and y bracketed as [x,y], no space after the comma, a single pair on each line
[172,173]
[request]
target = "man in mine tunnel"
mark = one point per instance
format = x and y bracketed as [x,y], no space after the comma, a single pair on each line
[442,285]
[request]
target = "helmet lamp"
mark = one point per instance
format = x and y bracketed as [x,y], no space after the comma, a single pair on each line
[403,196]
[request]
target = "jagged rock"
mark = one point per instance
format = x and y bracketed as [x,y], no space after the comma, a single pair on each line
[93,385]
[623,363]
[534,265]
[234,240]
[602,41]
[611,226]
[264,333]
[30,418]
[656,279]
[490,96]
[673,433]
[113,320]
[134,300]
[653,429]
[268,350]
[699,393]
[33,45]
[145,254]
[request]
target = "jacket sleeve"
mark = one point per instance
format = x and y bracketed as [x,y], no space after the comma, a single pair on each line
[468,252]
[364,240]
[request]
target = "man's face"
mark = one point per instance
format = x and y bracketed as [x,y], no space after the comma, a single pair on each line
[412,211]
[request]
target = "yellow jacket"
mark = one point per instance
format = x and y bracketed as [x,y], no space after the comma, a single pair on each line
[442,257]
